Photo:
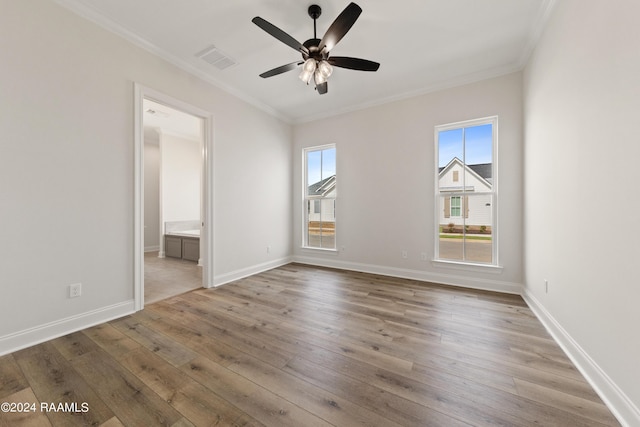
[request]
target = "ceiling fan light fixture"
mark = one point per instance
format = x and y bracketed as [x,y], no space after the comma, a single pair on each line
[307,70]
[319,78]
[315,52]
[325,69]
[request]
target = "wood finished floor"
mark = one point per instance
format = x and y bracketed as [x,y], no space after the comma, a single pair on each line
[303,346]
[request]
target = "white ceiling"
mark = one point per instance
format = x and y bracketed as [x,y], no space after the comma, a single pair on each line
[161,118]
[422,45]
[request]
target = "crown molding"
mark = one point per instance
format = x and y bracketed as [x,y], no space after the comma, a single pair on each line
[534,35]
[97,18]
[536,31]
[442,85]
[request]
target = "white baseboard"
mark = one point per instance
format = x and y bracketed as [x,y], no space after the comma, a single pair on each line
[39,334]
[249,271]
[620,405]
[433,277]
[152,248]
[36,335]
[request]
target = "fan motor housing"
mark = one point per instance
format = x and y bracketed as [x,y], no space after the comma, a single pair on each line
[314,51]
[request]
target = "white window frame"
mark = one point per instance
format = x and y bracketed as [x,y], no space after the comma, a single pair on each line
[493,120]
[306,199]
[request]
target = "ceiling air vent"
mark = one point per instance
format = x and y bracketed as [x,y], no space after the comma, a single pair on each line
[156,113]
[215,57]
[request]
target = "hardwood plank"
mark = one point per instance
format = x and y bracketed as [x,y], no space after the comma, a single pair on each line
[31,418]
[578,406]
[11,378]
[203,407]
[160,376]
[54,381]
[446,399]
[361,392]
[111,340]
[255,296]
[448,368]
[227,308]
[126,395]
[201,305]
[170,350]
[183,422]
[112,422]
[247,421]
[256,401]
[73,345]
[235,339]
[146,316]
[326,405]
[353,349]
[200,343]
[197,403]
[538,362]
[464,362]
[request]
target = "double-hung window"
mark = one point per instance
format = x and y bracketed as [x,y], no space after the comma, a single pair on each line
[320,197]
[465,191]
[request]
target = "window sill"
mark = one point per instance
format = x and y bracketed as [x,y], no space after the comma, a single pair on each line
[457,265]
[313,249]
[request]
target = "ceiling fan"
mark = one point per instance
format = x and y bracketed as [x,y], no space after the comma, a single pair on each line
[316,62]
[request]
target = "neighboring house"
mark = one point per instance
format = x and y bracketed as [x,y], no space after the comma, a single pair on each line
[471,210]
[321,197]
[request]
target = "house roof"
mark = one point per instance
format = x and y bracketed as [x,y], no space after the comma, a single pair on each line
[482,170]
[322,187]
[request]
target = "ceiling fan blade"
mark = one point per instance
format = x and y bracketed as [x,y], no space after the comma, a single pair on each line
[281,69]
[340,26]
[353,63]
[322,88]
[280,35]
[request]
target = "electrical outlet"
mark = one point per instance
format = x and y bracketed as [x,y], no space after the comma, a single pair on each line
[546,286]
[405,255]
[75,290]
[268,249]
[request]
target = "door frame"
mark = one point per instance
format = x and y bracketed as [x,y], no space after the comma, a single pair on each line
[140,93]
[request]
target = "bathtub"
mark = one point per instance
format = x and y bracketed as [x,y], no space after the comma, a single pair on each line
[182,239]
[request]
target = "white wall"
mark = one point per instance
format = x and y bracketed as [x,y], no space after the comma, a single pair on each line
[582,110]
[67,171]
[386,172]
[181,175]
[151,194]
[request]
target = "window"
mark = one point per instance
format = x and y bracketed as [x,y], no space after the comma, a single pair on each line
[320,197]
[466,192]
[455,205]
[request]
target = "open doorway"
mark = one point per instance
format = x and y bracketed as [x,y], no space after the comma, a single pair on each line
[173,165]
[173,197]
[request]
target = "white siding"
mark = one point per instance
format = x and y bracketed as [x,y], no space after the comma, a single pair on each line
[479,211]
